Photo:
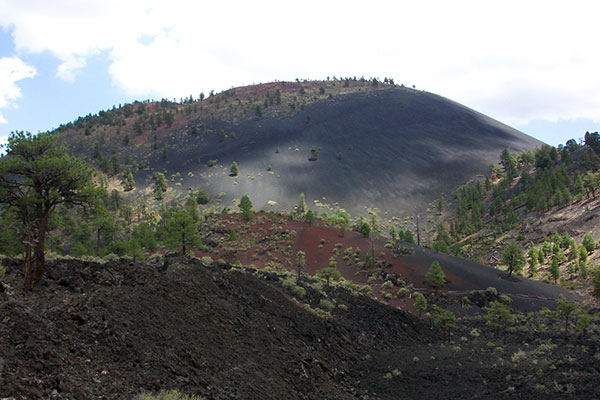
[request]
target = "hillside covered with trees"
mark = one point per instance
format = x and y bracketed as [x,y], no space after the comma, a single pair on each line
[544,202]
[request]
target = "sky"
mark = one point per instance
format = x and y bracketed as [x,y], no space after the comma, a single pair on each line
[533,65]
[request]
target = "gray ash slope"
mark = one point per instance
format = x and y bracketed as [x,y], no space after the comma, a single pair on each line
[393,149]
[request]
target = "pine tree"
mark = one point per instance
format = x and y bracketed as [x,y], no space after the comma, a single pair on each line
[301,206]
[393,232]
[533,260]
[160,185]
[246,208]
[513,258]
[435,276]
[498,315]
[181,230]
[589,243]
[37,176]
[565,308]
[191,207]
[578,188]
[328,273]
[420,302]
[596,282]
[234,169]
[554,269]
[309,217]
[440,203]
[128,183]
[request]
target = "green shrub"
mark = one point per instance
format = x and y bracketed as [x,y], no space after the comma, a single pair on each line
[206,260]
[326,304]
[387,285]
[318,312]
[168,395]
[290,283]
[444,317]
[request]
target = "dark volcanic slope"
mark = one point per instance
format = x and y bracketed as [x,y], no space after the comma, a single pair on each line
[113,331]
[399,148]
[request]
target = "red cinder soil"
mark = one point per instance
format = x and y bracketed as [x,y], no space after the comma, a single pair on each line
[276,238]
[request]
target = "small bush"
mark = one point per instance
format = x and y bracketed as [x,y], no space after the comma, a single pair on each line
[318,312]
[326,304]
[290,282]
[387,285]
[168,395]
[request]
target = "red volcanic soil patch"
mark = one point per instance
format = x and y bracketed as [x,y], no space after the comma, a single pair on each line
[272,239]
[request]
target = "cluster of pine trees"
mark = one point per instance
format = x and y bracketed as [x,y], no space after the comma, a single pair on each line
[535,182]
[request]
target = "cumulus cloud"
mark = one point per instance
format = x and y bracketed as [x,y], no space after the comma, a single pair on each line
[516,61]
[12,70]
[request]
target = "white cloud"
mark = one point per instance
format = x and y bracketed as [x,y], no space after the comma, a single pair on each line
[12,70]
[516,61]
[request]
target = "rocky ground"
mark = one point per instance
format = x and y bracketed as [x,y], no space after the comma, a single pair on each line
[115,330]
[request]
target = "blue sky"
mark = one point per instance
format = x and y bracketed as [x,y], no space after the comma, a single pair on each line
[531,65]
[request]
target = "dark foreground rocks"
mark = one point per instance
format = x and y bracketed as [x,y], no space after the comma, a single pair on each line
[115,330]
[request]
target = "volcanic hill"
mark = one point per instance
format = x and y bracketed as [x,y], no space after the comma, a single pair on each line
[377,145]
